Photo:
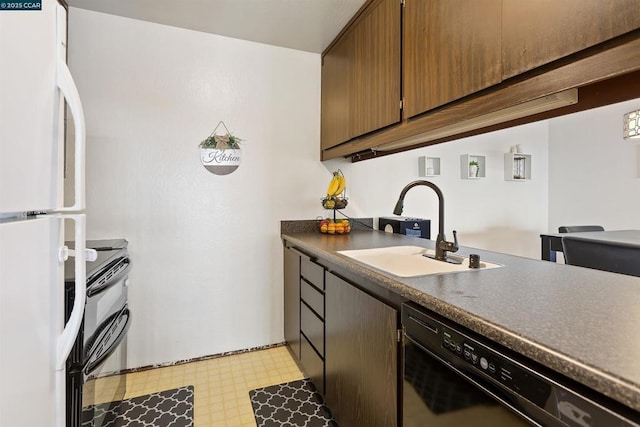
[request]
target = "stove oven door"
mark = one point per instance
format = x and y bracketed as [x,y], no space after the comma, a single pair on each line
[105,342]
[105,355]
[100,350]
[104,352]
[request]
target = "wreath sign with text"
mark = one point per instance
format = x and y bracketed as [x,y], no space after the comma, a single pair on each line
[220,154]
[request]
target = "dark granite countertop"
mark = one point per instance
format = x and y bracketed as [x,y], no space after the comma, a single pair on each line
[582,323]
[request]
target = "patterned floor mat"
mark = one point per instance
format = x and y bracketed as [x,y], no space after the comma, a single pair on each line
[296,403]
[169,408]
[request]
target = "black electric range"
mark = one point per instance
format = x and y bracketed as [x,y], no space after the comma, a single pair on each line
[101,346]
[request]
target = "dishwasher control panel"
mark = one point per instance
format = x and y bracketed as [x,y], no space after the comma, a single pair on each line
[481,358]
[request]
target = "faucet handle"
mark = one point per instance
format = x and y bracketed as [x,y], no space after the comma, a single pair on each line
[450,246]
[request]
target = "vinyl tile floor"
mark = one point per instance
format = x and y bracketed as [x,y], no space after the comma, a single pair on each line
[221,385]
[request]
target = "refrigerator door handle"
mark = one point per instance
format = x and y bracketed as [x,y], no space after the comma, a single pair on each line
[70,92]
[70,331]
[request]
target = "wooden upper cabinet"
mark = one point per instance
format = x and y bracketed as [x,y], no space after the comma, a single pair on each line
[452,48]
[361,76]
[538,32]
[336,108]
[376,102]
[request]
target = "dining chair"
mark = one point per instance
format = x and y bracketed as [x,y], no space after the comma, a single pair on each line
[600,255]
[579,228]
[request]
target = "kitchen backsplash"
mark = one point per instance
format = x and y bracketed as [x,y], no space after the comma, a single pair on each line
[311,225]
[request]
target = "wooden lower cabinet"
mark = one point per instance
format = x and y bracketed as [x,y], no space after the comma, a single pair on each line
[312,364]
[345,340]
[292,300]
[361,356]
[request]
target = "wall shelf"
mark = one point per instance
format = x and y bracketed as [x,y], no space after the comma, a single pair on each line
[428,166]
[517,167]
[467,172]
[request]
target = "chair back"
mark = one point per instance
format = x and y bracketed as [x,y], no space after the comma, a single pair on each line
[599,255]
[579,228]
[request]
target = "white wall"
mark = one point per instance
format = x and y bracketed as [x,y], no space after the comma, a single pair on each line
[489,213]
[207,275]
[594,172]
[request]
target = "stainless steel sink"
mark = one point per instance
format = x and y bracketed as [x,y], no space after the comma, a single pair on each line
[409,261]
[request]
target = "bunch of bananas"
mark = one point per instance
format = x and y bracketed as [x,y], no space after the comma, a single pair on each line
[334,199]
[337,184]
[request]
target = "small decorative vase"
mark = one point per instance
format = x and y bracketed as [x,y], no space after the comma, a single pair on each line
[473,171]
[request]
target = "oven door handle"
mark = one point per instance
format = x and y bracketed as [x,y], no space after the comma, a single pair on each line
[92,291]
[91,363]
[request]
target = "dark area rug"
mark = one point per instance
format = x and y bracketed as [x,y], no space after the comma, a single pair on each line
[296,403]
[169,408]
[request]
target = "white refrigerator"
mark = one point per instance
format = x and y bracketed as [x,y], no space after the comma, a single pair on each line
[34,341]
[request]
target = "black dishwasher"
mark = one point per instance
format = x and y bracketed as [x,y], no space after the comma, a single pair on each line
[453,377]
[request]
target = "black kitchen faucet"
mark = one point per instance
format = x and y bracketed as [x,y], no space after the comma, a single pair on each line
[442,246]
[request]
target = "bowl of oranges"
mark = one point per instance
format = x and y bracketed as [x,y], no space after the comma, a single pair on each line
[334,226]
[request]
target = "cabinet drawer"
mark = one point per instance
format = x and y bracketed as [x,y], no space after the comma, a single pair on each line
[312,364]
[313,272]
[312,327]
[313,297]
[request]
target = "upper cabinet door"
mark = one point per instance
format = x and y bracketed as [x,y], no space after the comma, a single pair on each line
[452,48]
[376,102]
[361,76]
[541,31]
[337,84]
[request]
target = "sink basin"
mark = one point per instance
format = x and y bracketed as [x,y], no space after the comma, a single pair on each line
[408,261]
